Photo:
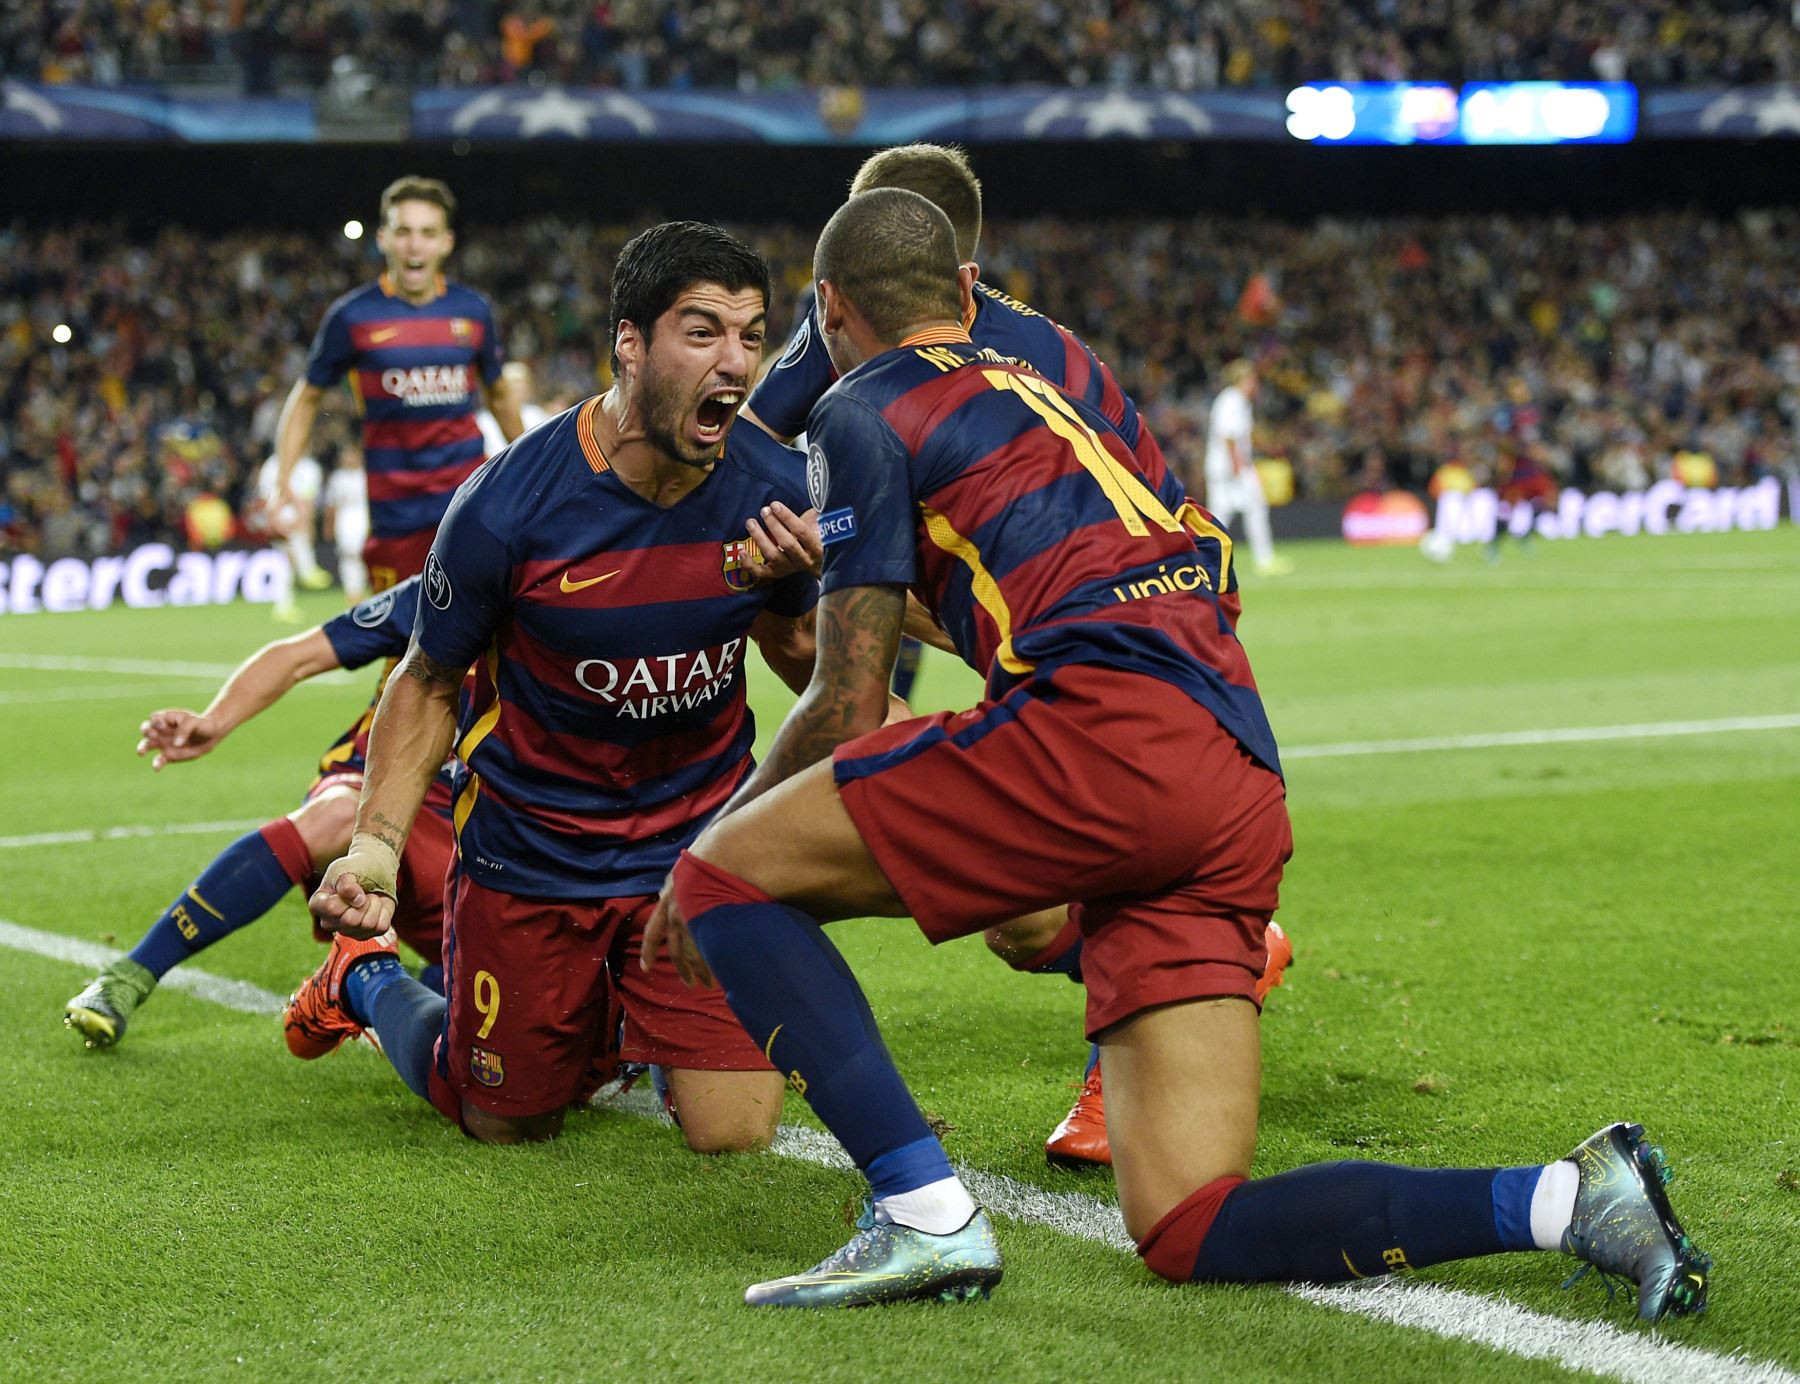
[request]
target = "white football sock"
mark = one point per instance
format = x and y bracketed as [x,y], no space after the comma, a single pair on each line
[938,1208]
[1553,1203]
[302,555]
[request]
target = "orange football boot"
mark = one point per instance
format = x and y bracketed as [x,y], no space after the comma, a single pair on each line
[315,1018]
[1080,1140]
[1281,956]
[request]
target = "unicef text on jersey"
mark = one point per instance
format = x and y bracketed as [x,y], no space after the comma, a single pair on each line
[150,576]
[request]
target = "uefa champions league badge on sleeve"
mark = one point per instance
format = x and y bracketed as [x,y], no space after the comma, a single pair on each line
[837,525]
[818,477]
[796,347]
[370,614]
[437,583]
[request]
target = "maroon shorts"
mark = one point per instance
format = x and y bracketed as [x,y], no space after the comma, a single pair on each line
[537,990]
[1108,790]
[430,849]
[392,560]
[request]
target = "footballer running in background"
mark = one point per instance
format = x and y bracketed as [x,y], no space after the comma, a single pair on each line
[420,353]
[346,500]
[1115,684]
[251,875]
[1045,943]
[604,574]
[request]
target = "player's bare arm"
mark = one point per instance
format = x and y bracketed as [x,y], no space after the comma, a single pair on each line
[412,733]
[176,735]
[749,414]
[858,639]
[789,645]
[503,400]
[921,626]
[293,432]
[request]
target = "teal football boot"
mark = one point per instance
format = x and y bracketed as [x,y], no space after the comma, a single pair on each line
[1623,1224]
[100,1012]
[893,1263]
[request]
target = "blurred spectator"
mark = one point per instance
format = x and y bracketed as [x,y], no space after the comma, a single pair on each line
[1617,352]
[775,44]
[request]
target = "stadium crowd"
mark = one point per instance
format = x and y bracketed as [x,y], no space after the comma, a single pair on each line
[773,44]
[1615,351]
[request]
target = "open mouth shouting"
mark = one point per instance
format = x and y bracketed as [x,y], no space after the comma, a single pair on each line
[712,419]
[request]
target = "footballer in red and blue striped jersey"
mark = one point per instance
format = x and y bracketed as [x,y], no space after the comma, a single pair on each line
[1028,530]
[416,371]
[608,635]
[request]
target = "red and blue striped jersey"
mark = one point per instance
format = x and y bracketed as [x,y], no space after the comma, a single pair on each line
[377,628]
[416,373]
[1022,520]
[608,720]
[802,374]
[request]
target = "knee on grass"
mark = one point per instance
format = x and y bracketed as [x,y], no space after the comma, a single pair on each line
[326,824]
[505,1129]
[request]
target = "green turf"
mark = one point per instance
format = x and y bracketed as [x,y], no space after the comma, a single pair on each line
[1499,950]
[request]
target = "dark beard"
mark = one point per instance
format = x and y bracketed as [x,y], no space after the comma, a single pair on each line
[663,413]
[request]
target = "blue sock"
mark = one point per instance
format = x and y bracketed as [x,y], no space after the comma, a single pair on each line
[906,668]
[245,881]
[432,977]
[408,1016]
[1332,1221]
[1068,964]
[1092,1062]
[796,997]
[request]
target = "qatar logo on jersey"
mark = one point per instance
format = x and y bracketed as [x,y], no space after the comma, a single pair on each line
[372,612]
[662,685]
[427,386]
[818,476]
[437,583]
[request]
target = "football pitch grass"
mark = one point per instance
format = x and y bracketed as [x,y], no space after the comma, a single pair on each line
[1514,923]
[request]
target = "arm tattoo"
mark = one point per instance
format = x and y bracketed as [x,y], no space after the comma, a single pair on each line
[859,636]
[386,830]
[422,667]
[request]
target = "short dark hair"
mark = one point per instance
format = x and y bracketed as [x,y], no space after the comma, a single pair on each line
[413,188]
[893,254]
[939,173]
[658,265]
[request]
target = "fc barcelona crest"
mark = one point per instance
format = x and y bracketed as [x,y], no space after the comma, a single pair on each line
[486,1067]
[741,557]
[462,329]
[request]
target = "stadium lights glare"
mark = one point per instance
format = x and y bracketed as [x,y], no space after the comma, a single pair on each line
[61,334]
[353,230]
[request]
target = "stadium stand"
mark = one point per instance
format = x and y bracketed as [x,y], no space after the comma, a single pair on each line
[635,44]
[1616,351]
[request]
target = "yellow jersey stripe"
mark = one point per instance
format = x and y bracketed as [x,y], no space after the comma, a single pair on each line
[982,583]
[465,801]
[1197,522]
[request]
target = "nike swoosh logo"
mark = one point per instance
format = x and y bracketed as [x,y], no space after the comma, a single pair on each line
[568,585]
[386,334]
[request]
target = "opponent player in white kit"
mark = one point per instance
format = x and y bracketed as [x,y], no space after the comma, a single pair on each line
[291,527]
[1232,484]
[347,520]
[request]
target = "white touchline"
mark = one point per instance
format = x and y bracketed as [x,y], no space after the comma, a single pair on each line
[130,667]
[1613,1352]
[82,837]
[142,667]
[1568,735]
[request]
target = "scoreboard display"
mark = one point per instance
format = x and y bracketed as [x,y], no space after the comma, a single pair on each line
[1474,113]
